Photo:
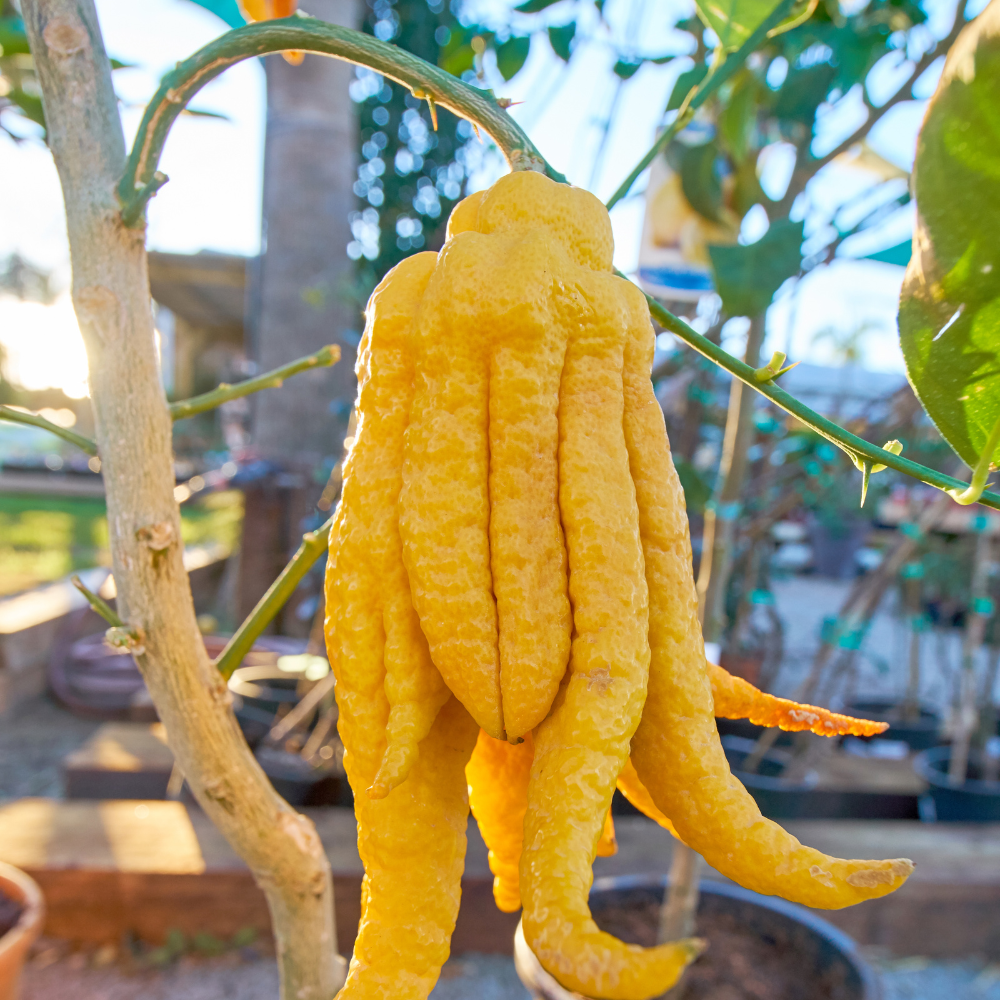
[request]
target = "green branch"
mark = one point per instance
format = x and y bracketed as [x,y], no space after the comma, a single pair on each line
[310,35]
[102,608]
[323,358]
[33,420]
[860,450]
[313,545]
[697,97]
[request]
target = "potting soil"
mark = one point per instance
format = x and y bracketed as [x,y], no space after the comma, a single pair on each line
[10,912]
[738,964]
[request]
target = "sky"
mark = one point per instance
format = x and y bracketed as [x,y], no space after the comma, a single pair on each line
[213,198]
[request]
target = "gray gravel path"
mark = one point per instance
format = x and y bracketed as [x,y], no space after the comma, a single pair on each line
[466,977]
[482,977]
[34,738]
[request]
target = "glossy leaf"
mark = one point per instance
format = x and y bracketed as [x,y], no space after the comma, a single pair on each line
[688,79]
[700,181]
[738,117]
[511,56]
[626,68]
[949,315]
[534,6]
[13,39]
[803,91]
[561,39]
[746,277]
[734,21]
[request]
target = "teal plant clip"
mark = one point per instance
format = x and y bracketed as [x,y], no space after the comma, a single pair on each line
[773,368]
[974,490]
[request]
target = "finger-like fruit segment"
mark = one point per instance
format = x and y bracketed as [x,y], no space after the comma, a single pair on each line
[413,685]
[582,745]
[676,749]
[498,794]
[735,698]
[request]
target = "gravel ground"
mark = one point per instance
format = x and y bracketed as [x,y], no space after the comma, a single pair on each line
[34,739]
[467,977]
[483,977]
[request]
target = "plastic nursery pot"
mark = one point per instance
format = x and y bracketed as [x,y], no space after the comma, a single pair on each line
[976,801]
[781,936]
[920,733]
[15,944]
[303,784]
[778,799]
[748,731]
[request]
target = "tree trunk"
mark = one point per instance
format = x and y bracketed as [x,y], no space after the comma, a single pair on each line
[112,301]
[720,519]
[980,611]
[310,162]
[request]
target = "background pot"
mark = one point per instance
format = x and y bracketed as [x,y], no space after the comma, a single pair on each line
[920,733]
[974,802]
[15,944]
[830,952]
[779,799]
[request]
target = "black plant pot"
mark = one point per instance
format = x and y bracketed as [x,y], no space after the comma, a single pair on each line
[778,799]
[748,731]
[826,954]
[976,801]
[300,783]
[921,733]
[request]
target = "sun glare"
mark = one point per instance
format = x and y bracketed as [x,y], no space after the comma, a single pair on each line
[42,347]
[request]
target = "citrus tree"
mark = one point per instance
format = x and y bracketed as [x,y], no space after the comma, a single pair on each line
[566,699]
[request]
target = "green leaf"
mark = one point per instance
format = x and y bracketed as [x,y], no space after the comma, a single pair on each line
[205,114]
[899,254]
[561,39]
[739,117]
[701,183]
[511,56]
[734,21]
[803,91]
[626,68]
[457,56]
[228,10]
[534,6]
[13,38]
[697,492]
[949,313]
[29,105]
[748,276]
[688,79]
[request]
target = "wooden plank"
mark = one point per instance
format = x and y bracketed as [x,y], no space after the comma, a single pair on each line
[111,868]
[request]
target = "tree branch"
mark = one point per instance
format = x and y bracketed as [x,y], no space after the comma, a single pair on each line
[313,545]
[834,433]
[812,166]
[697,96]
[310,35]
[323,358]
[100,606]
[34,420]
[112,303]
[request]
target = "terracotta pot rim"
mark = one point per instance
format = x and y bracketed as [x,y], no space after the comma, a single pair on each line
[25,890]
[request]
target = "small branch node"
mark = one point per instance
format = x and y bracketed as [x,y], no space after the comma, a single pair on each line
[128,637]
[771,371]
[157,537]
[981,472]
[132,213]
